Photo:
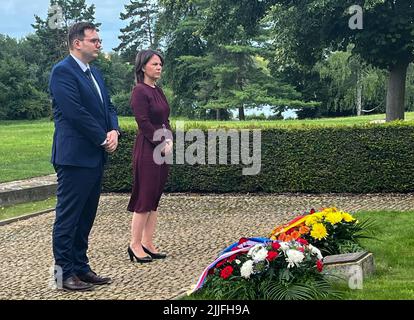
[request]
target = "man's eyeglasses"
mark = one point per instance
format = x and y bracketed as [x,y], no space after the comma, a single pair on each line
[95,41]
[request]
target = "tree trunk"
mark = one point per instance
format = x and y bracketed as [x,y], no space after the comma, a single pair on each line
[218,114]
[359,94]
[396,91]
[241,113]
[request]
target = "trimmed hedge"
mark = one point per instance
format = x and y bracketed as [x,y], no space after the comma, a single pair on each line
[358,159]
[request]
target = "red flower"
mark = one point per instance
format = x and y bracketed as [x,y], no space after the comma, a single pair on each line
[272,255]
[275,246]
[290,231]
[220,263]
[231,258]
[312,211]
[319,265]
[302,241]
[301,249]
[226,272]
[243,240]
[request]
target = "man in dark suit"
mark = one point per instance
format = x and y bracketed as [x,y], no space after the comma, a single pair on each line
[86,130]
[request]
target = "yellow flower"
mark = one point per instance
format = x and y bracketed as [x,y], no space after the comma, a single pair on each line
[318,231]
[329,210]
[319,215]
[334,217]
[312,219]
[347,217]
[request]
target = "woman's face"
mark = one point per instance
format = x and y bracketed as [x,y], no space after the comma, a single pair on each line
[153,68]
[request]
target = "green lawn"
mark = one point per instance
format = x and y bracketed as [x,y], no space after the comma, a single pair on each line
[393,256]
[26,145]
[26,208]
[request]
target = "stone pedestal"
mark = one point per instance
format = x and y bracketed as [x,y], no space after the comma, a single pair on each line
[350,268]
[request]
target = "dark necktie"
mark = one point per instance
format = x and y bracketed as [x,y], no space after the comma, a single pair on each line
[89,75]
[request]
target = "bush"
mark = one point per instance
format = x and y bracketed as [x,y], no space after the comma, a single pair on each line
[37,105]
[363,159]
[121,103]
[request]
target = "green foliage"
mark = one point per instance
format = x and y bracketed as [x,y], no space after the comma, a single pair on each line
[53,41]
[343,74]
[312,159]
[118,75]
[140,33]
[20,97]
[343,237]
[305,31]
[121,101]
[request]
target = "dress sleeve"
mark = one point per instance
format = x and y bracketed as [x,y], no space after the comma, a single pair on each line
[140,107]
[169,134]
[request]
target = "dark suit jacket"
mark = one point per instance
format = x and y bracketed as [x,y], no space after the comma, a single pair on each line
[81,119]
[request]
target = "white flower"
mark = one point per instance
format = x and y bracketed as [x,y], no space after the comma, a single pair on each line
[237,261]
[247,269]
[315,251]
[294,257]
[258,253]
[284,246]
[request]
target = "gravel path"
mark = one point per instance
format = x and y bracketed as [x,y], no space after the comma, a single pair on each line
[192,229]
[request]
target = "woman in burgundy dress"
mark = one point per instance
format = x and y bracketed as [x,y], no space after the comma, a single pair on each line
[151,111]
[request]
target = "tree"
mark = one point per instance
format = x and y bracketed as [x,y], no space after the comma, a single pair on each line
[306,29]
[19,96]
[353,86]
[140,33]
[52,32]
[179,25]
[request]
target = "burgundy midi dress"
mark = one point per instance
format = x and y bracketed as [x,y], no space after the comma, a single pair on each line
[151,111]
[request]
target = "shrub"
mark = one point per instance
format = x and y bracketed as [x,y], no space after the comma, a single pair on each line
[121,103]
[363,159]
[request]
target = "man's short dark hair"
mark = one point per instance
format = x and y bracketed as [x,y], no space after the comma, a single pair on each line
[77,31]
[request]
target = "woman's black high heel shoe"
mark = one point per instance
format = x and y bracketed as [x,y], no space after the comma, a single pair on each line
[155,255]
[140,260]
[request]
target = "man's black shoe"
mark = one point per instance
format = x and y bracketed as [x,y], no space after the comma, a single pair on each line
[75,284]
[93,278]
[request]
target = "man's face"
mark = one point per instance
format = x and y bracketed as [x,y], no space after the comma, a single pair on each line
[90,46]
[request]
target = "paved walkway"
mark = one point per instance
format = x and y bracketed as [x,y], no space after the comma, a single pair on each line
[192,229]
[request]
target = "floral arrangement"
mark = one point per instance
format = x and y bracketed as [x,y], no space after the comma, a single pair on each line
[333,231]
[288,264]
[261,268]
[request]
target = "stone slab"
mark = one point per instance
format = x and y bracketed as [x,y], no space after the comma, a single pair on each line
[34,189]
[350,268]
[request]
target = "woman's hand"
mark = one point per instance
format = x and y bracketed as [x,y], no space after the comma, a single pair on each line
[168,147]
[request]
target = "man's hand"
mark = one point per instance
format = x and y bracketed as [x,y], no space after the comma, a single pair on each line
[111,141]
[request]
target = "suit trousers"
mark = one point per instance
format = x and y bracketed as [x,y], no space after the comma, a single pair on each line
[78,193]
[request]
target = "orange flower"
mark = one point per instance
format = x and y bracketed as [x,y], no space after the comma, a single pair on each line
[304,230]
[282,237]
[288,238]
[295,234]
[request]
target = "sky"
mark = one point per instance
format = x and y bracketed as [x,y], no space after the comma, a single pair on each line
[16,17]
